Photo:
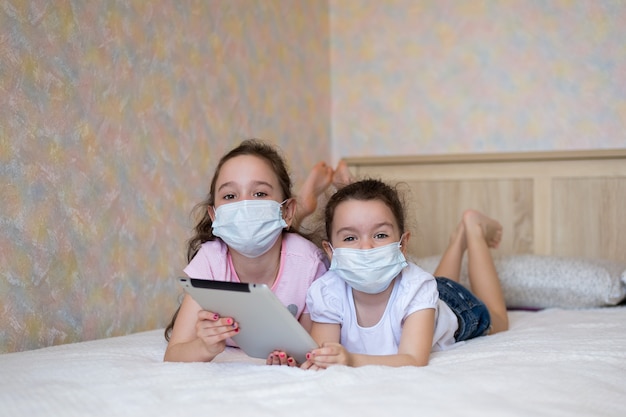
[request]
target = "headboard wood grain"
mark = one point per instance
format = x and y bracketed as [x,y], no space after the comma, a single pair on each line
[564,203]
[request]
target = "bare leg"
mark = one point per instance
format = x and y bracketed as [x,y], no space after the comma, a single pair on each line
[342,176]
[317,182]
[476,234]
[450,263]
[482,233]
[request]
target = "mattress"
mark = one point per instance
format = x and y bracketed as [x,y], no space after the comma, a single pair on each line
[557,362]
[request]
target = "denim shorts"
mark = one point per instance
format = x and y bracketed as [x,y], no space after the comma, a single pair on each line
[473,316]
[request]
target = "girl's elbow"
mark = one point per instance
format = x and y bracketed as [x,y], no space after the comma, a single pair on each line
[417,361]
[422,359]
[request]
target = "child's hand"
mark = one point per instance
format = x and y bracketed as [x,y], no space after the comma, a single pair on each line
[279,357]
[327,355]
[213,330]
[308,364]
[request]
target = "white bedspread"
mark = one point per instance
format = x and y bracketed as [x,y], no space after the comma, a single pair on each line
[553,362]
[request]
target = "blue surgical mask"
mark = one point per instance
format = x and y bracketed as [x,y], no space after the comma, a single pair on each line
[251,227]
[369,270]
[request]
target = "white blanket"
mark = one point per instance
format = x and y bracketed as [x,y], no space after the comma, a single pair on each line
[554,362]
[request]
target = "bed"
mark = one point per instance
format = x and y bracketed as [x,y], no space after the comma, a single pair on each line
[562,262]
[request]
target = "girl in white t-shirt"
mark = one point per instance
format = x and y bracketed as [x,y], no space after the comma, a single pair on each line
[374,307]
[246,234]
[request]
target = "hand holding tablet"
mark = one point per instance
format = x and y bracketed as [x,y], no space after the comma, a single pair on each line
[266,324]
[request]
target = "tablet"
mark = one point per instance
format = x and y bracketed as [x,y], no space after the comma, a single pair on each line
[266,324]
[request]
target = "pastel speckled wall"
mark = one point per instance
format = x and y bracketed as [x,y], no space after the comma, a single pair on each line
[449,76]
[113,116]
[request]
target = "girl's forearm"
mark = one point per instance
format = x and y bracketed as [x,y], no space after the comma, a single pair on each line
[192,351]
[387,360]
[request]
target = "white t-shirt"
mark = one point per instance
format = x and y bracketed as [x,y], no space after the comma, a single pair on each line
[301,262]
[330,301]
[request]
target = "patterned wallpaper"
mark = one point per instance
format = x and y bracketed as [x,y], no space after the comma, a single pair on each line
[450,76]
[113,116]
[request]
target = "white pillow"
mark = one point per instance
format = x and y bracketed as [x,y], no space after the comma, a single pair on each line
[535,281]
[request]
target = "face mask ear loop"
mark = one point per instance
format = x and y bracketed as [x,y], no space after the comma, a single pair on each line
[281,210]
[331,247]
[401,239]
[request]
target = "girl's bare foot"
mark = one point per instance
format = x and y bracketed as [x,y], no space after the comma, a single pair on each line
[491,229]
[316,183]
[342,176]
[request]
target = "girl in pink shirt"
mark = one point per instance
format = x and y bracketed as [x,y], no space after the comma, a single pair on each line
[245,234]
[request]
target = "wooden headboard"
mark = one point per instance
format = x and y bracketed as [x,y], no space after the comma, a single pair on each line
[569,203]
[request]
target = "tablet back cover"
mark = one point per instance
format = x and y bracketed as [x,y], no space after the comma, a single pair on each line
[266,324]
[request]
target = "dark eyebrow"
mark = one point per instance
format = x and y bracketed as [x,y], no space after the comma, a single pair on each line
[255,183]
[226,184]
[350,229]
[344,230]
[383,224]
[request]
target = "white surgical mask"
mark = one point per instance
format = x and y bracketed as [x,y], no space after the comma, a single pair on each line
[251,227]
[369,270]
